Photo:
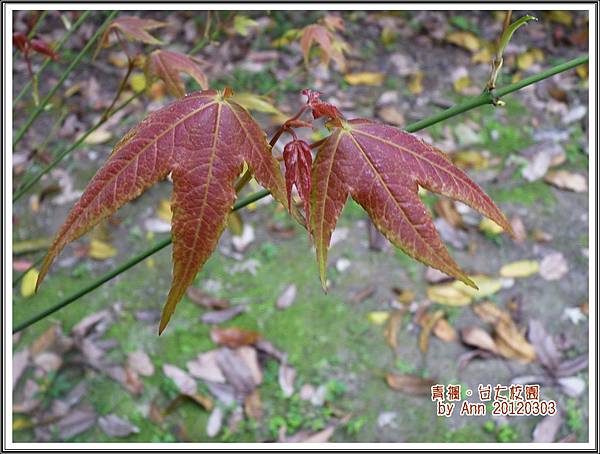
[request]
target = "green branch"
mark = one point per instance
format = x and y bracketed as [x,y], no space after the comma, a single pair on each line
[485,98]
[33,180]
[41,107]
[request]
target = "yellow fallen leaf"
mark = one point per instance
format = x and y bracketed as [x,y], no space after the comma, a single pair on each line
[243,24]
[255,102]
[525,60]
[28,283]
[378,317]
[98,136]
[415,85]
[488,226]
[561,17]
[365,78]
[522,268]
[461,83]
[470,160]
[466,40]
[448,294]
[388,35]
[164,210]
[487,286]
[118,59]
[100,250]
[137,82]
[21,424]
[483,55]
[151,263]
[287,38]
[582,71]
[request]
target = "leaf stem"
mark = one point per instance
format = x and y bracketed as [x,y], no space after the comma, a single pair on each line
[58,47]
[453,111]
[40,108]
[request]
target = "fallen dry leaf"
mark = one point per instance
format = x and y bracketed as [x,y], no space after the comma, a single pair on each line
[238,371]
[378,317]
[186,384]
[205,367]
[101,250]
[547,429]
[553,267]
[466,40]
[410,384]
[113,426]
[427,327]
[233,337]
[391,330]
[522,268]
[214,423]
[415,84]
[365,78]
[448,294]
[221,316]
[202,299]
[140,362]
[511,343]
[479,338]
[253,405]
[287,298]
[287,377]
[564,179]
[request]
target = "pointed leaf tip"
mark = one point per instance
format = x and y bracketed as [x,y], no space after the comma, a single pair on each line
[382,168]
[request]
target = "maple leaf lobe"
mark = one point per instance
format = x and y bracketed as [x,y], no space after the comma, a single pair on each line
[381,167]
[203,139]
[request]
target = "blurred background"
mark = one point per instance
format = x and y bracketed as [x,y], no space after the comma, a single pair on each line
[355,364]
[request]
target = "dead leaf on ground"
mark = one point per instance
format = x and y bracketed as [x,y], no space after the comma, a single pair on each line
[564,179]
[101,250]
[546,350]
[76,422]
[19,364]
[287,377]
[547,429]
[233,337]
[205,367]
[114,426]
[466,40]
[216,317]
[237,371]
[427,327]
[479,338]
[141,363]
[410,384]
[365,78]
[185,383]
[214,423]
[197,296]
[287,297]
[253,405]
[391,330]
[522,268]
[553,267]
[511,343]
[445,208]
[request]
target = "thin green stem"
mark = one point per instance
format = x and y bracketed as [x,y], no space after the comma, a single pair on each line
[58,47]
[37,24]
[453,111]
[33,180]
[487,98]
[125,266]
[40,108]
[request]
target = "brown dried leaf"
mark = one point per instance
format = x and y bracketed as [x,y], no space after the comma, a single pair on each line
[410,384]
[391,330]
[427,327]
[479,338]
[233,337]
[253,405]
[202,299]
